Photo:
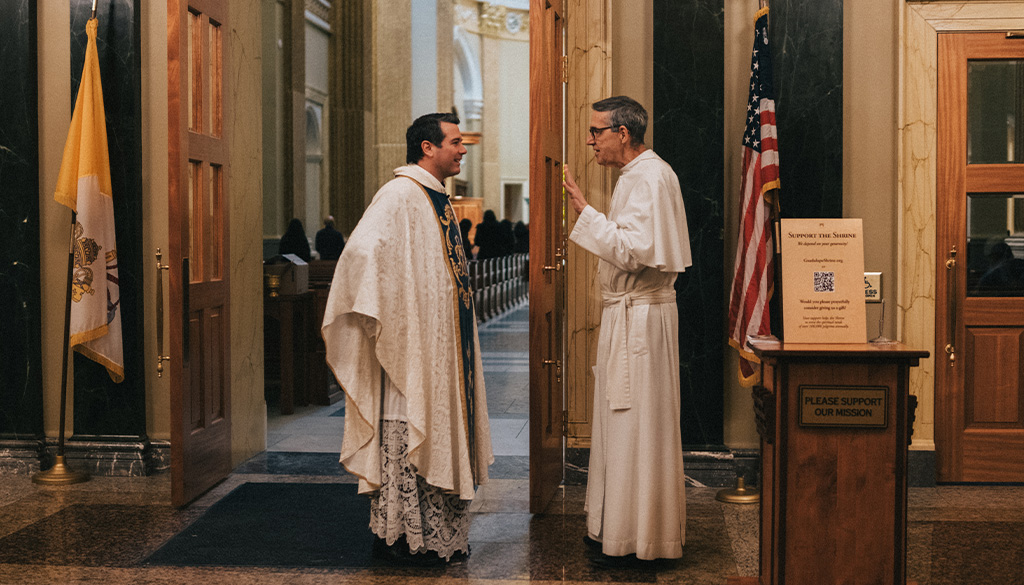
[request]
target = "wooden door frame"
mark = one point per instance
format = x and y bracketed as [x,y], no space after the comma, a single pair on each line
[955,178]
[950,181]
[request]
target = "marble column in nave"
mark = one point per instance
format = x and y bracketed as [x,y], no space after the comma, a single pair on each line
[490,140]
[351,122]
[293,144]
[391,87]
[445,55]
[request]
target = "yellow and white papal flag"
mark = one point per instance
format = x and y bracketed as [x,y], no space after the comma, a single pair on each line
[84,186]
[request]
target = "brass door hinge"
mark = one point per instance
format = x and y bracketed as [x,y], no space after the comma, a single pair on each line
[565,69]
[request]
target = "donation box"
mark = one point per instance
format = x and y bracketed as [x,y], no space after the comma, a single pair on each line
[835,422]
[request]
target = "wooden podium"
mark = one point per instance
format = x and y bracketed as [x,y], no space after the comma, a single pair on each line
[291,348]
[835,422]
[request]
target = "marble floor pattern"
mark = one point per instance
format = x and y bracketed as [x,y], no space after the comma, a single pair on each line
[102,531]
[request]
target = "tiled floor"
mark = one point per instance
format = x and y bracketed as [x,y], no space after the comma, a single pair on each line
[504,344]
[102,531]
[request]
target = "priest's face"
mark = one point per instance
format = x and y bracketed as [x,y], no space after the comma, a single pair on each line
[609,143]
[446,160]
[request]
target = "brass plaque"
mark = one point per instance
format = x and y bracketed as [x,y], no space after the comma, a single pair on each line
[844,406]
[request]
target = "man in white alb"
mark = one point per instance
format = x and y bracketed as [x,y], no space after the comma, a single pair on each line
[401,338]
[636,502]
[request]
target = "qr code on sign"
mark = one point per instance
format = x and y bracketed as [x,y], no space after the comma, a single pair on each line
[824,281]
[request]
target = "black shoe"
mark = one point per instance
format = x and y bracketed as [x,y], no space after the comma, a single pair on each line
[592,544]
[380,549]
[399,554]
[460,556]
[603,561]
[423,559]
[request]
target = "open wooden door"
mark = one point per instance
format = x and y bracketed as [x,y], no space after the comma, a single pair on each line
[198,247]
[979,317]
[547,252]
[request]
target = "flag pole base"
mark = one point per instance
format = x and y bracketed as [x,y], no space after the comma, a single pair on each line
[739,495]
[59,474]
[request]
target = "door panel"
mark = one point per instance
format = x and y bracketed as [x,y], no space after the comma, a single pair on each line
[991,394]
[547,264]
[197,243]
[979,393]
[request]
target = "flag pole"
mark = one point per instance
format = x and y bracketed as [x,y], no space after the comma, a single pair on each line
[741,494]
[776,299]
[60,473]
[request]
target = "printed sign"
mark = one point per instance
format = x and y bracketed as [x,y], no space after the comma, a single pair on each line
[823,281]
[844,406]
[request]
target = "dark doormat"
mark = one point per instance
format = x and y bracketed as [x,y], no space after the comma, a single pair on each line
[277,525]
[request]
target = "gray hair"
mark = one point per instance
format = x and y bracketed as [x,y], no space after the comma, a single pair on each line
[625,112]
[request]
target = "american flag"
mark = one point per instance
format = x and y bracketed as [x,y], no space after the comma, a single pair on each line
[753,282]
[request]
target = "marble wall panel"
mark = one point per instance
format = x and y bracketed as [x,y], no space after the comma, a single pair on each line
[689,68]
[808,54]
[101,407]
[21,385]
[248,406]
[588,47]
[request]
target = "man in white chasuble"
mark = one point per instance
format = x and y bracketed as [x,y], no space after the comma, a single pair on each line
[636,503]
[401,338]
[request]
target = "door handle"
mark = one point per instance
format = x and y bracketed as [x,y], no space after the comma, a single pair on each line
[951,302]
[559,260]
[160,357]
[558,369]
[185,279]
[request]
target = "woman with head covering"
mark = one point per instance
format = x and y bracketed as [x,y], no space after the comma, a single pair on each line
[294,241]
[488,238]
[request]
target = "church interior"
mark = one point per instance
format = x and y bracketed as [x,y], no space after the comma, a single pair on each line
[229,120]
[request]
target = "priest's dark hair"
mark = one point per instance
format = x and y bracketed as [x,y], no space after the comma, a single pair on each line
[426,127]
[625,112]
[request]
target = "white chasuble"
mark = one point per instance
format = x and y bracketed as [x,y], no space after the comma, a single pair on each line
[636,500]
[395,304]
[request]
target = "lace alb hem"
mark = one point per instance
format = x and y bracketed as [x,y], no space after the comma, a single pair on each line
[430,519]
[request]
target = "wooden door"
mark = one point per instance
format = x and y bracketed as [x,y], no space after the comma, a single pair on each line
[979,321]
[198,247]
[547,258]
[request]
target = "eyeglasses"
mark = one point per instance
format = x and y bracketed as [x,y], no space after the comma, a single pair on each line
[595,131]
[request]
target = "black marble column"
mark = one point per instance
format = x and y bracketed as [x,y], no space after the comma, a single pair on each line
[808,51]
[21,384]
[689,69]
[104,410]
